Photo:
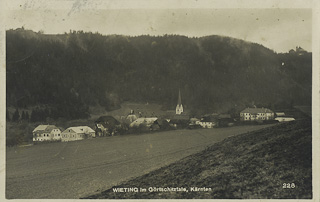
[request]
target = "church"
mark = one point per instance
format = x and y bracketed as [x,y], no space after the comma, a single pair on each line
[179,107]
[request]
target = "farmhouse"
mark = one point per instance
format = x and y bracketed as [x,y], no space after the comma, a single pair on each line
[207,122]
[131,117]
[46,133]
[148,122]
[77,133]
[256,114]
[106,125]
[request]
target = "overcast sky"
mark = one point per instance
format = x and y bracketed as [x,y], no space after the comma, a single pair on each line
[278,29]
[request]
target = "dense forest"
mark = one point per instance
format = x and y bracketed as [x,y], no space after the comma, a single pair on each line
[62,75]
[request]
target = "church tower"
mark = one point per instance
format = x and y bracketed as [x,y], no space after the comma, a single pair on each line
[179,108]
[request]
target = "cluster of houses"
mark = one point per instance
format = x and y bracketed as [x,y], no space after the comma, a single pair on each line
[53,133]
[108,125]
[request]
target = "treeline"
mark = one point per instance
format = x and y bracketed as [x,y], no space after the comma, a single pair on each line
[70,72]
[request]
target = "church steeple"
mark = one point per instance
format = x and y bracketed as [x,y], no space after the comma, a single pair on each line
[179,108]
[179,98]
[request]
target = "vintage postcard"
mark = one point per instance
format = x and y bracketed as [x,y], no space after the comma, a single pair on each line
[160,99]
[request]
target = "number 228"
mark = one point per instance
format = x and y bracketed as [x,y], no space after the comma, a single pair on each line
[288,185]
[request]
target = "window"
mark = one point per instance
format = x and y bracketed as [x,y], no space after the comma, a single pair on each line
[58,134]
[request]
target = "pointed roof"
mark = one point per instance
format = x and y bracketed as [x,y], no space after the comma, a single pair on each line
[45,128]
[179,98]
[256,110]
[80,129]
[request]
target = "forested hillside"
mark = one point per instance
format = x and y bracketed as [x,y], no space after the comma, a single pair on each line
[67,73]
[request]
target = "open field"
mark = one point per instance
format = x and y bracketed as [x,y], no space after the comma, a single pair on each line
[82,168]
[272,163]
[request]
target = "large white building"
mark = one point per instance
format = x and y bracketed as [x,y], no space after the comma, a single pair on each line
[77,133]
[256,114]
[46,133]
[143,121]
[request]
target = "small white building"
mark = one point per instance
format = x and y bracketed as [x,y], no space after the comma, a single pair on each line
[207,122]
[256,114]
[46,133]
[284,119]
[143,121]
[77,133]
[131,118]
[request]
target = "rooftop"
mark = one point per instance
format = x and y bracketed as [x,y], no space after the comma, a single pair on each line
[256,110]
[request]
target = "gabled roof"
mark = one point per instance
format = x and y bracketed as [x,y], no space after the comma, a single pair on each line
[143,120]
[256,110]
[80,129]
[45,128]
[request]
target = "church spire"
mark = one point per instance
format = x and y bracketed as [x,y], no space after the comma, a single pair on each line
[179,108]
[179,98]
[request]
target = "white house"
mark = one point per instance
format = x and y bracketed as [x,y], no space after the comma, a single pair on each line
[46,133]
[143,121]
[284,119]
[256,114]
[207,122]
[77,133]
[131,118]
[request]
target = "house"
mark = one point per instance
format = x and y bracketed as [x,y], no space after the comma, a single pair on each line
[284,119]
[106,125]
[148,122]
[46,133]
[207,122]
[77,133]
[131,117]
[256,114]
[193,121]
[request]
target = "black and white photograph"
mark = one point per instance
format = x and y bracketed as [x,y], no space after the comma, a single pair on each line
[160,99]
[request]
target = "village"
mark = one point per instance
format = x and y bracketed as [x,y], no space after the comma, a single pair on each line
[136,123]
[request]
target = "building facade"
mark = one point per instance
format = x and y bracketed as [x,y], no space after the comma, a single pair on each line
[256,114]
[77,133]
[46,133]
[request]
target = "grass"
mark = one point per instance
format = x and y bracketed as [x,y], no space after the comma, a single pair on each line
[254,165]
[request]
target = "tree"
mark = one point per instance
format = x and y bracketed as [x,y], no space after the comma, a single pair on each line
[34,116]
[23,115]
[27,117]
[16,116]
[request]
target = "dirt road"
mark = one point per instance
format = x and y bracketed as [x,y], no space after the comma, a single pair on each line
[77,169]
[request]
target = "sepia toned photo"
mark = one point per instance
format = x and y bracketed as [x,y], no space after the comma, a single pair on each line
[133,100]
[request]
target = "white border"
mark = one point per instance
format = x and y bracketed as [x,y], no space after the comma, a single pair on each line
[170,4]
